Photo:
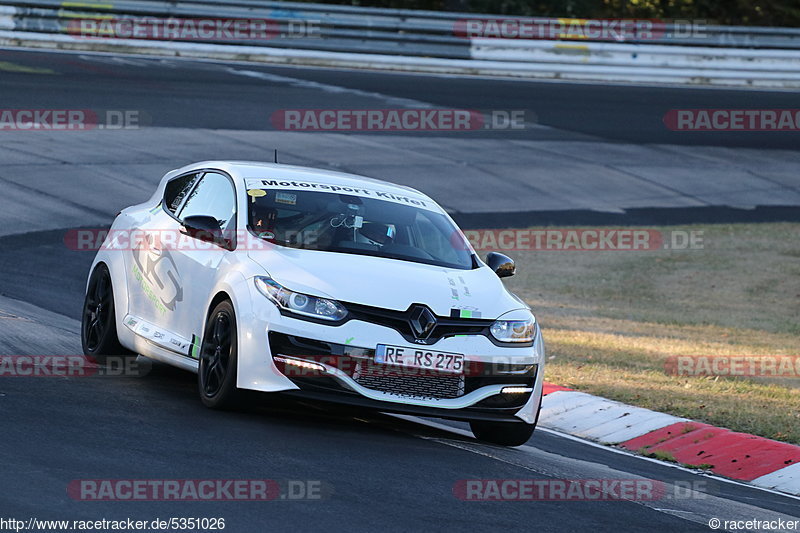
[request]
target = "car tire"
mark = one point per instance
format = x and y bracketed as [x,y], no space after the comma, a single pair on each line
[99,338]
[216,375]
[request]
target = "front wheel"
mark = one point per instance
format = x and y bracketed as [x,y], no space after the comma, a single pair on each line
[98,320]
[216,376]
[502,433]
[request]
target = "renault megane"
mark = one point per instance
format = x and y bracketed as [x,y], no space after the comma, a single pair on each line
[319,284]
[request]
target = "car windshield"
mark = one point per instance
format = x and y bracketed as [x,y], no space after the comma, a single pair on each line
[352,224]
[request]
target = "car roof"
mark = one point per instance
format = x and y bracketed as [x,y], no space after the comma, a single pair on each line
[247,170]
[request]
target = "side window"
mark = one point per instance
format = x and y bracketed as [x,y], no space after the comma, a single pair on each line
[176,190]
[213,197]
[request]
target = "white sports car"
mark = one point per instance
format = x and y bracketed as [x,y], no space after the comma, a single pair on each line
[320,284]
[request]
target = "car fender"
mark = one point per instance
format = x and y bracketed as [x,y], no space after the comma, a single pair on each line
[116,262]
[255,370]
[529,413]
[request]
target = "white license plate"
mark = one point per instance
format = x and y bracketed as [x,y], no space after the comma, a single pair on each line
[420,358]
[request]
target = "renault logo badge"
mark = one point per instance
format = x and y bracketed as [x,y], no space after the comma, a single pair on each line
[422,322]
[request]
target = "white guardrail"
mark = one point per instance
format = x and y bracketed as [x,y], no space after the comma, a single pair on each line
[423,41]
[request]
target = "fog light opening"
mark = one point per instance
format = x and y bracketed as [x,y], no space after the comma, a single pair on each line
[300,364]
[515,390]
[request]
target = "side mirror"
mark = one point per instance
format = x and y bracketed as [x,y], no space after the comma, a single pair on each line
[205,228]
[502,265]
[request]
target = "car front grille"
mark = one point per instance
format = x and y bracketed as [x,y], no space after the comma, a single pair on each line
[400,322]
[358,363]
[388,379]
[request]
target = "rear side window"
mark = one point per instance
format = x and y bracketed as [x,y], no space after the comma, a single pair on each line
[176,190]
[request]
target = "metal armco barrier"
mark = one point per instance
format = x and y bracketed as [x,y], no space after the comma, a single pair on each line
[426,41]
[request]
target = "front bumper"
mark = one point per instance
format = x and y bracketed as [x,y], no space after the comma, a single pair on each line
[345,351]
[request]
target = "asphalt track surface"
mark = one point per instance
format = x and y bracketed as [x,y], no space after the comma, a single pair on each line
[378,471]
[202,95]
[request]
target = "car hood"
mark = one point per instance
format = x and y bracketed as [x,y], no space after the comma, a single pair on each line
[387,283]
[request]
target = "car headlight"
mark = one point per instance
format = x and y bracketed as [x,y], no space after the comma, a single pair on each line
[299,303]
[521,327]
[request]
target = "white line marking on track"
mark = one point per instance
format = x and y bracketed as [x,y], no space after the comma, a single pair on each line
[328,88]
[696,505]
[611,449]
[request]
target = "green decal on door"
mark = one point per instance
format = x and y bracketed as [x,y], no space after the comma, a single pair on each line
[194,349]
